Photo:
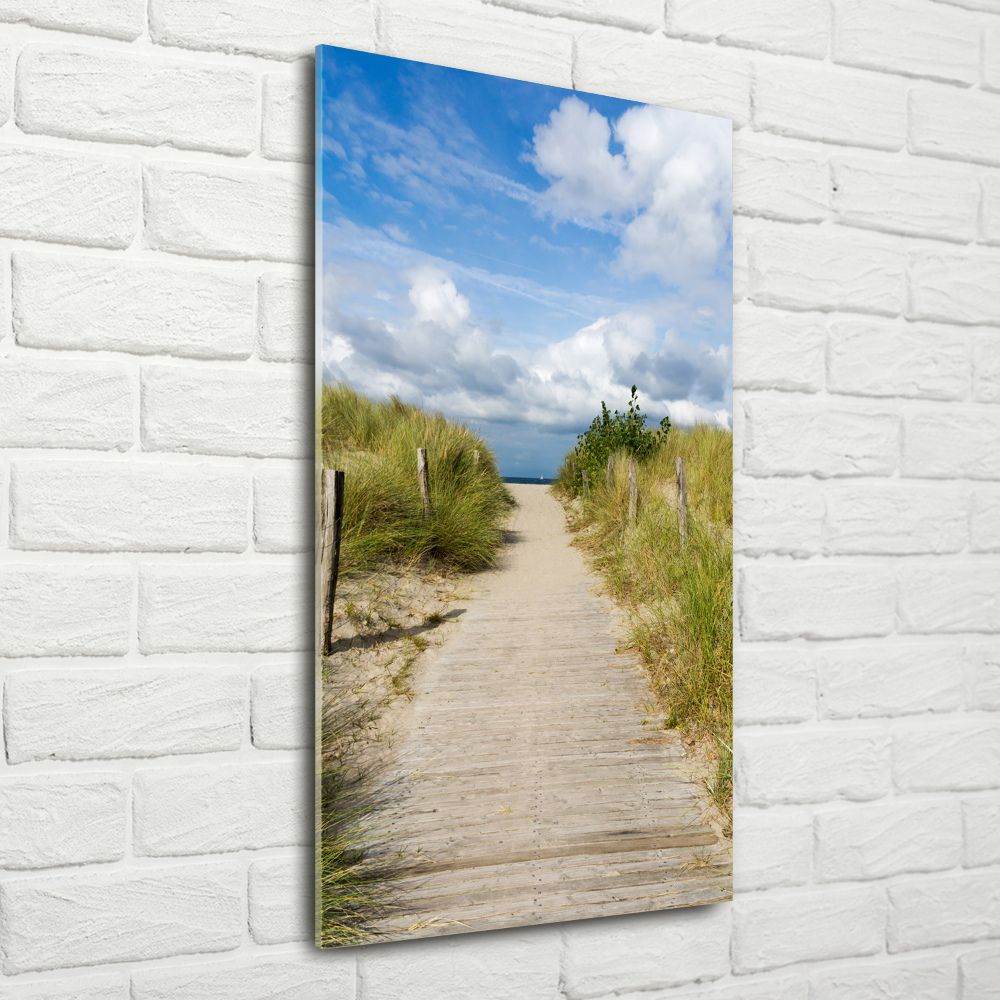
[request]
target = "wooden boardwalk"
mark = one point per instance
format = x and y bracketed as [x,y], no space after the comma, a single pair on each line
[526,788]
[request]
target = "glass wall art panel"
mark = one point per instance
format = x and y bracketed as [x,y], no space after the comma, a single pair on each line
[523,503]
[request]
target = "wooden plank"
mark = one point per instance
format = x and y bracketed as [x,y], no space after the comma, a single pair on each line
[332,522]
[423,481]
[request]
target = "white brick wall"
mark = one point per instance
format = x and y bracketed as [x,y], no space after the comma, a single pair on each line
[155,416]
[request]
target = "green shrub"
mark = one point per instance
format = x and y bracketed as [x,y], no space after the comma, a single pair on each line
[624,432]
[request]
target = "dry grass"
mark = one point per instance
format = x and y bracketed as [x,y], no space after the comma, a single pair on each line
[678,598]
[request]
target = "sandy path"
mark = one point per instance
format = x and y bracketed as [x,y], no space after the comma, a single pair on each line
[527,789]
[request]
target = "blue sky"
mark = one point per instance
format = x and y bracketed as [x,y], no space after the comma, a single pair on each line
[512,254]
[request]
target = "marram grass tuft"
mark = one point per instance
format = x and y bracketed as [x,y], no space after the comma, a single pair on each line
[375,443]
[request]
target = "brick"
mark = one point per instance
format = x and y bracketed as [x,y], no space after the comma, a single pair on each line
[73,197]
[6,90]
[954,286]
[55,610]
[781,601]
[107,304]
[926,979]
[779,516]
[989,5]
[989,217]
[139,712]
[741,258]
[778,350]
[508,966]
[951,597]
[285,319]
[62,819]
[485,39]
[895,518]
[830,104]
[904,36]
[991,57]
[281,706]
[60,404]
[127,916]
[793,26]
[980,974]
[817,766]
[230,214]
[779,178]
[622,64]
[112,96]
[226,807]
[952,757]
[877,841]
[879,681]
[872,357]
[326,976]
[939,911]
[806,267]
[984,677]
[952,444]
[769,988]
[773,686]
[798,437]
[986,368]
[280,898]
[980,821]
[231,608]
[124,19]
[128,507]
[954,124]
[283,509]
[833,601]
[259,27]
[114,987]
[912,197]
[769,931]
[287,118]
[228,411]
[661,953]
[772,849]
[646,15]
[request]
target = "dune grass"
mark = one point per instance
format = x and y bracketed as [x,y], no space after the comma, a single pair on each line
[375,442]
[679,599]
[352,893]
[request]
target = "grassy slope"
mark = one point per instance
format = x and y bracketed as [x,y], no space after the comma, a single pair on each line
[376,444]
[679,599]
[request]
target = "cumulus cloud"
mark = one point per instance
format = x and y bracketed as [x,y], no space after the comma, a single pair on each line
[667,194]
[436,353]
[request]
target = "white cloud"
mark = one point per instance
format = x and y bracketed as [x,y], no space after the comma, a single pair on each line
[395,233]
[439,356]
[667,194]
[435,298]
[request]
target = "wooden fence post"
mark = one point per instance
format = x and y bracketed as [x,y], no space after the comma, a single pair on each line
[423,480]
[586,485]
[475,458]
[333,519]
[611,471]
[633,490]
[682,500]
